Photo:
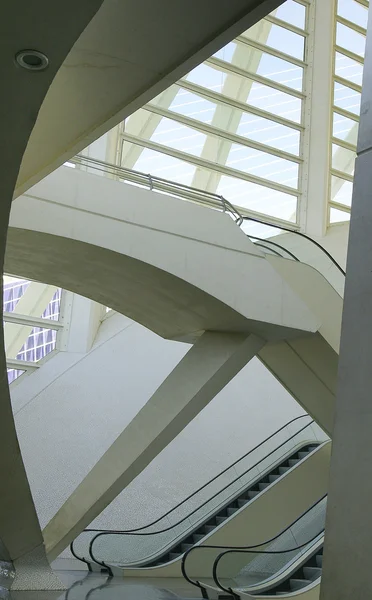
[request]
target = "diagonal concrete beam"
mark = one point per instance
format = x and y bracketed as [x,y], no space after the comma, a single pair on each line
[208,366]
[307,368]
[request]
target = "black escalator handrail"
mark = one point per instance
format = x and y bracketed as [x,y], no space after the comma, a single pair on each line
[165,529]
[220,556]
[307,237]
[246,549]
[253,237]
[139,529]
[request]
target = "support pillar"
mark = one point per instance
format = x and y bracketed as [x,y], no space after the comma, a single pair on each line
[54,32]
[33,572]
[208,366]
[348,541]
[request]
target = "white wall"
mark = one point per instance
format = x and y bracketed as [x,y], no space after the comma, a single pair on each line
[71,410]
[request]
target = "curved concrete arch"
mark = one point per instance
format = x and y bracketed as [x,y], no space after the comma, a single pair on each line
[50,29]
[176,267]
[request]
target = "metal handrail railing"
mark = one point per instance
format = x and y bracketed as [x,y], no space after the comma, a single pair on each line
[271,243]
[199,196]
[299,233]
[139,531]
[269,552]
[158,183]
[246,549]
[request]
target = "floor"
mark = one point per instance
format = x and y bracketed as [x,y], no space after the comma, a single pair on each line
[94,586]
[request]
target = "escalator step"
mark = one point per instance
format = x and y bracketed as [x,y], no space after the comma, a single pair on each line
[220,520]
[312,573]
[292,462]
[273,478]
[263,485]
[253,493]
[319,560]
[302,455]
[298,584]
[231,511]
[242,503]
[173,555]
[312,448]
[186,547]
[197,537]
[209,528]
[283,470]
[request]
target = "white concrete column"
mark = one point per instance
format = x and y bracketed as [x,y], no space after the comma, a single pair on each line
[348,542]
[317,117]
[208,366]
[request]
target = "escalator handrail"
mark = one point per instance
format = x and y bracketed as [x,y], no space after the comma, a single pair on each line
[135,532]
[220,556]
[140,529]
[246,549]
[115,532]
[265,241]
[304,235]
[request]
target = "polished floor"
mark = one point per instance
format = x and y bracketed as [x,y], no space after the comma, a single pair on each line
[94,586]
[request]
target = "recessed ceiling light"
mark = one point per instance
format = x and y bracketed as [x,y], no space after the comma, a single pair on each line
[32,60]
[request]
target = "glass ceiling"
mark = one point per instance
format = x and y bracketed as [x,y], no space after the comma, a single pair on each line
[235,125]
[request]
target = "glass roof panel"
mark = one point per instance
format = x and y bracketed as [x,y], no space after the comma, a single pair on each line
[345,129]
[353,11]
[338,216]
[270,133]
[348,69]
[163,165]
[208,77]
[281,39]
[258,198]
[341,191]
[234,122]
[269,99]
[350,39]
[343,159]
[292,12]
[263,165]
[178,136]
[347,98]
[192,105]
[271,67]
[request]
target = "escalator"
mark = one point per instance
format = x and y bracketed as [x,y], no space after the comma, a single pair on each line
[214,507]
[276,568]
[199,534]
[302,578]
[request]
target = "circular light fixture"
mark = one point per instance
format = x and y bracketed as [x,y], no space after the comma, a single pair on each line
[32,60]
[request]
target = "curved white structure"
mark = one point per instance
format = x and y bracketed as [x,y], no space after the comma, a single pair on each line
[181,270]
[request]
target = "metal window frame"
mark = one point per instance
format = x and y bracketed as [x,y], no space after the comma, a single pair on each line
[248,108]
[347,177]
[32,321]
[206,164]
[226,67]
[221,133]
